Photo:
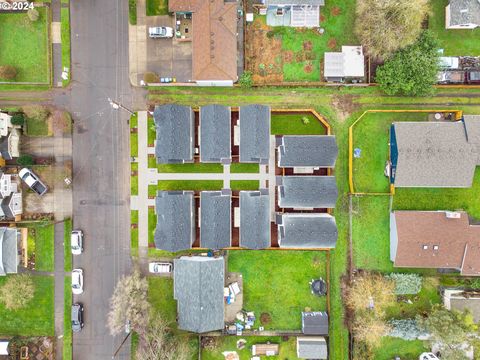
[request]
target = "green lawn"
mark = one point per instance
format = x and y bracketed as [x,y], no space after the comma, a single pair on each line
[190,168]
[277,283]
[67,319]
[243,168]
[37,318]
[371,136]
[65,29]
[133,136]
[244,184]
[287,350]
[36,127]
[134,232]
[157,7]
[132,12]
[152,224]
[66,243]
[25,45]
[408,350]
[454,42]
[185,185]
[134,179]
[44,248]
[160,296]
[152,134]
[292,124]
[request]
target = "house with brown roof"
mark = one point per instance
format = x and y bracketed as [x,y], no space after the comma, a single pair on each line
[435,239]
[214,38]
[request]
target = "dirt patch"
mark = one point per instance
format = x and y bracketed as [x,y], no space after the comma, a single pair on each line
[308,68]
[322,18]
[288,56]
[332,43]
[307,45]
[345,105]
[265,318]
[336,11]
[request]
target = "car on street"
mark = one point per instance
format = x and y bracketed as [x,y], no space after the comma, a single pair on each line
[77,317]
[76,242]
[33,181]
[77,281]
[159,32]
[160,267]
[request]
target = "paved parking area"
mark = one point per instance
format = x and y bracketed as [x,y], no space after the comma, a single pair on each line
[168,57]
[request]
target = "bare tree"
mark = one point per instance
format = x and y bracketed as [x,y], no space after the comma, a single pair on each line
[384,26]
[17,291]
[129,303]
[370,330]
[160,343]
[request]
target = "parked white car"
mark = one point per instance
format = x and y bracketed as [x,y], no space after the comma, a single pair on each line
[77,281]
[160,267]
[159,32]
[76,242]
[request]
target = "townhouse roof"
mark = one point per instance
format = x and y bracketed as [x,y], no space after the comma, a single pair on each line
[175,133]
[255,133]
[198,288]
[307,191]
[215,219]
[215,134]
[306,230]
[307,151]
[255,219]
[175,229]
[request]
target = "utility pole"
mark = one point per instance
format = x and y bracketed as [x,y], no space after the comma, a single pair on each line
[116,105]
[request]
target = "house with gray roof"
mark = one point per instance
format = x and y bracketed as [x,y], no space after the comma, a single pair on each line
[315,323]
[175,212]
[254,134]
[10,198]
[215,134]
[306,230]
[215,219]
[295,13]
[198,283]
[9,258]
[174,125]
[462,14]
[312,348]
[307,192]
[317,151]
[255,219]
[435,154]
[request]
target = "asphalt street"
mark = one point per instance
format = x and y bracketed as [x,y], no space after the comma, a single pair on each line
[99,32]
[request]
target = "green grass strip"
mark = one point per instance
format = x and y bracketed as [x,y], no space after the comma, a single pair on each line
[67,251]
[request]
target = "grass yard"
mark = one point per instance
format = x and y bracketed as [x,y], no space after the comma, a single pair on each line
[277,283]
[44,248]
[65,33]
[67,319]
[134,179]
[243,168]
[454,42]
[25,45]
[67,251]
[408,350]
[189,168]
[370,135]
[185,185]
[36,127]
[244,184]
[292,124]
[287,350]
[37,318]
[152,134]
[132,12]
[152,224]
[160,297]
[157,7]
[134,231]
[277,54]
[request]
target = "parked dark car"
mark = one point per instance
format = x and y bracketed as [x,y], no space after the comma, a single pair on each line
[77,317]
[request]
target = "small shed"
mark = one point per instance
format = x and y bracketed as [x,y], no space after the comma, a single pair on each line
[312,348]
[265,349]
[315,323]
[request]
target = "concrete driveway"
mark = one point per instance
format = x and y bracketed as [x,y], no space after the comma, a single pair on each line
[168,57]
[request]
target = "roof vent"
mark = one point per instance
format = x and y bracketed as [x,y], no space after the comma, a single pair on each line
[425,247]
[435,247]
[464,11]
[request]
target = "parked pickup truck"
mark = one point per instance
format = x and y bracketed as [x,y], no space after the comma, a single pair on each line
[451,77]
[33,181]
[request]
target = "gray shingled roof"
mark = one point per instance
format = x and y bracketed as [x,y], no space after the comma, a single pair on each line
[294,2]
[198,288]
[307,192]
[306,230]
[312,348]
[8,251]
[255,133]
[255,219]
[215,134]
[215,219]
[434,154]
[175,133]
[175,229]
[315,323]
[308,151]
[464,12]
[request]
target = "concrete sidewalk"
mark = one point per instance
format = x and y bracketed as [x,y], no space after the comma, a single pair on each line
[143,180]
[137,45]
